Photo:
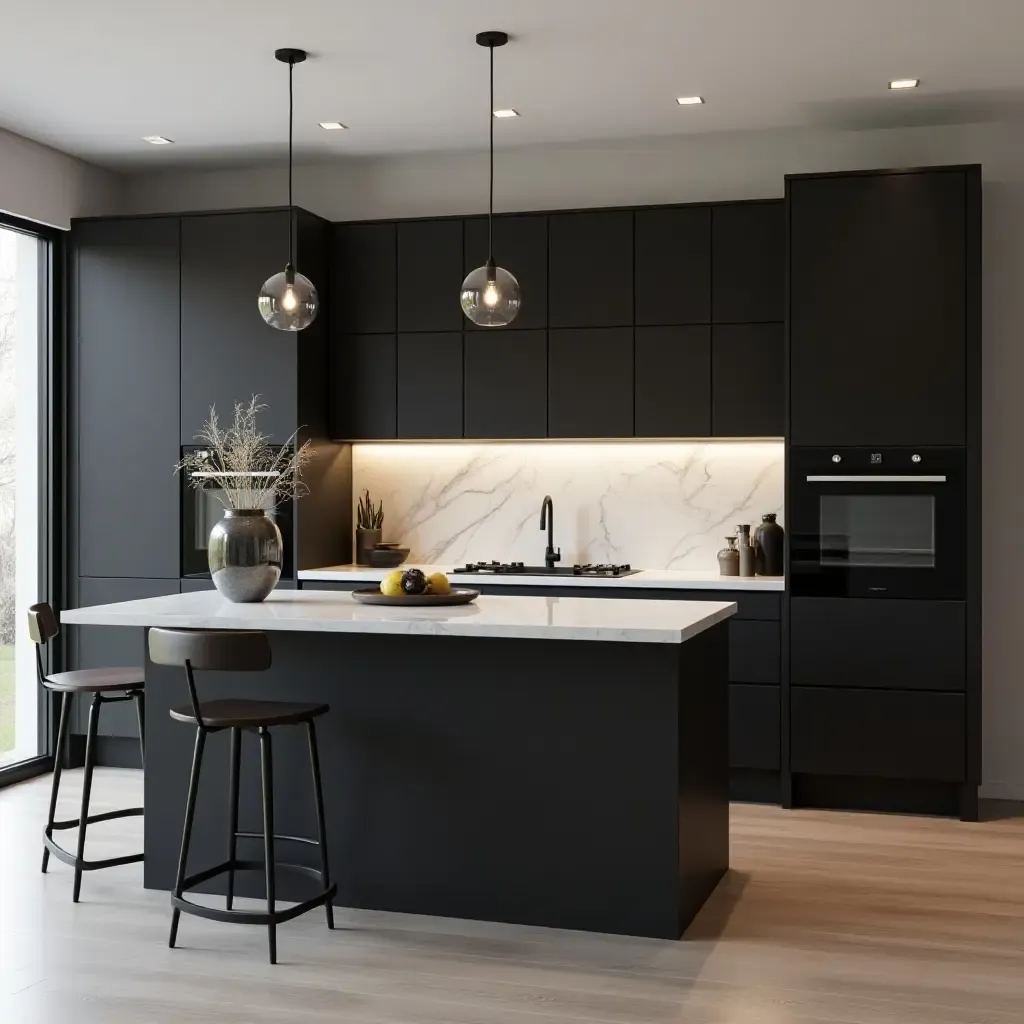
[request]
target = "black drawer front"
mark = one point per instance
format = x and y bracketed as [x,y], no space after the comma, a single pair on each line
[754,727]
[754,651]
[903,645]
[882,733]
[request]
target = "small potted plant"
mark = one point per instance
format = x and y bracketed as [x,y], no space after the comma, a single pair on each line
[369,524]
[250,477]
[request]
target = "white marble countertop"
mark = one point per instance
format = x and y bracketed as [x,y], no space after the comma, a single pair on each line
[654,579]
[491,615]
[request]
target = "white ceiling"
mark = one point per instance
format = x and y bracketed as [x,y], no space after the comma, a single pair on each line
[91,78]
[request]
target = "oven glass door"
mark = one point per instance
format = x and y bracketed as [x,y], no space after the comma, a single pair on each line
[865,534]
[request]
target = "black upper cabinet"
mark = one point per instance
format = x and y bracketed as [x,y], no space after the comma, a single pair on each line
[364,277]
[673,381]
[430,379]
[228,353]
[748,380]
[521,247]
[364,387]
[124,341]
[591,269]
[590,382]
[879,286]
[673,265]
[506,383]
[429,275]
[748,245]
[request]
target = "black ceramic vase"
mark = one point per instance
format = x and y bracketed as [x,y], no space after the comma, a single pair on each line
[770,541]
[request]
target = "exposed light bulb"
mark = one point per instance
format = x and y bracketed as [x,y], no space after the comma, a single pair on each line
[491,295]
[289,300]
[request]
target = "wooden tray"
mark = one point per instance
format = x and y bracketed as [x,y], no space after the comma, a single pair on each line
[372,595]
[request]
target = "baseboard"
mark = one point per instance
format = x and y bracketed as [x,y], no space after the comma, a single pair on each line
[1002,791]
[898,796]
[754,786]
[118,752]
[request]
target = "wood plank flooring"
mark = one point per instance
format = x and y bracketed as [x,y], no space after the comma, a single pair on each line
[830,918]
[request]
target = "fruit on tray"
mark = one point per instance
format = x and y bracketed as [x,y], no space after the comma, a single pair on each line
[391,585]
[414,582]
[438,583]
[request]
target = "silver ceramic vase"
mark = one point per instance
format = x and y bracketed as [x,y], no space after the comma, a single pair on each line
[245,555]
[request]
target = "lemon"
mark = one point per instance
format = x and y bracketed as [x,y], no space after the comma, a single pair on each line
[391,585]
[438,583]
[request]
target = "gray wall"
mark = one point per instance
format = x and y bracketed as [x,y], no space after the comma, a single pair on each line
[731,166]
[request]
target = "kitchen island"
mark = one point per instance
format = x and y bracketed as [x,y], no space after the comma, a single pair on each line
[541,760]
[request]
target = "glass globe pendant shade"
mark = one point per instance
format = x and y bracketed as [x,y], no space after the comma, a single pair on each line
[490,296]
[288,301]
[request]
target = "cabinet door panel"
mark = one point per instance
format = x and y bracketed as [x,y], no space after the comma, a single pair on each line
[673,265]
[429,275]
[889,734]
[364,387]
[125,337]
[878,309]
[867,643]
[749,246]
[228,352]
[673,381]
[590,382]
[521,247]
[754,652]
[591,269]
[754,734]
[103,646]
[506,384]
[364,274]
[748,380]
[430,385]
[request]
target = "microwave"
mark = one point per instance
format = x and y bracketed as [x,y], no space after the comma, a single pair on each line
[878,522]
[202,506]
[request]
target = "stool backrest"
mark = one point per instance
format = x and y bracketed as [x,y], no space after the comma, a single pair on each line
[42,623]
[209,649]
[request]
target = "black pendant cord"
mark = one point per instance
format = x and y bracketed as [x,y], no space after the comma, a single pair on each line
[490,197]
[291,120]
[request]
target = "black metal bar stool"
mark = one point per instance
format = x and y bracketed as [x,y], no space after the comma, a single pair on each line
[240,651]
[107,686]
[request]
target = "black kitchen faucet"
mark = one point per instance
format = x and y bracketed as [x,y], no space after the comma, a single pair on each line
[547,522]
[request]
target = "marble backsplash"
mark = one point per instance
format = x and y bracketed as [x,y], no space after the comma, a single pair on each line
[656,505]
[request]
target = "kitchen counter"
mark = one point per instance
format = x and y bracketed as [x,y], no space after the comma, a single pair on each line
[489,761]
[650,579]
[539,618]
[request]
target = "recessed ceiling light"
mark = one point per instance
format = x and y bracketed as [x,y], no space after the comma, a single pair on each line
[332,126]
[506,113]
[904,83]
[689,101]
[157,140]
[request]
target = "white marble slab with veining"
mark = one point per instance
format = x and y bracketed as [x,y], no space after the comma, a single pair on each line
[544,618]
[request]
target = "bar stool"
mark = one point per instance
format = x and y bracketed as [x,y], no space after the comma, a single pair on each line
[240,651]
[107,686]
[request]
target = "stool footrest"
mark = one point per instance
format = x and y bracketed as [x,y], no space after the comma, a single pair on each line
[89,865]
[128,812]
[263,917]
[287,839]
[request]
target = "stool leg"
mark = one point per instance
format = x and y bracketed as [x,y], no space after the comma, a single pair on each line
[90,757]
[233,766]
[267,766]
[58,767]
[321,826]
[140,711]
[186,833]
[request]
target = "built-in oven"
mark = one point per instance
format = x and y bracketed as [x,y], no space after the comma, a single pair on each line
[202,505]
[878,522]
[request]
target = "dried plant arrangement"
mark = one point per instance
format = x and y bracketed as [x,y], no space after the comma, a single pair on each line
[239,460]
[368,517]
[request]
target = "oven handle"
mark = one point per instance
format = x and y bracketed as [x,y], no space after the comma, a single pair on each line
[829,478]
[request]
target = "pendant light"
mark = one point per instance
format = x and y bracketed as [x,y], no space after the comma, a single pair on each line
[490,295]
[288,301]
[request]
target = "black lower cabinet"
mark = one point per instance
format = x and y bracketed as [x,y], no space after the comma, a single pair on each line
[754,727]
[506,384]
[430,385]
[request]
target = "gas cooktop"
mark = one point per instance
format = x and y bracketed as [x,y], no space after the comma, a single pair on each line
[520,569]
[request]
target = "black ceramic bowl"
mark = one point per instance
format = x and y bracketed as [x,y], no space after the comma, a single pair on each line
[388,557]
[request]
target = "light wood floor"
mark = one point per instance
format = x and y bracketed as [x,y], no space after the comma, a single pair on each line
[857,919]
